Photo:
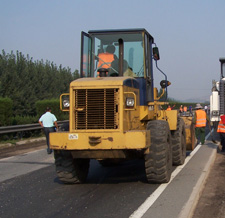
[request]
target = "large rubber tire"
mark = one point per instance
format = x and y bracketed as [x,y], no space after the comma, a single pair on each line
[178,138]
[71,170]
[158,162]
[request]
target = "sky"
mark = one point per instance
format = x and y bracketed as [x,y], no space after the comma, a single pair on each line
[190,34]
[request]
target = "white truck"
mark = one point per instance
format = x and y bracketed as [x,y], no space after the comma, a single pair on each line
[217,98]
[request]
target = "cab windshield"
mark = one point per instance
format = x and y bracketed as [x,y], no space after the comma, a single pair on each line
[122,54]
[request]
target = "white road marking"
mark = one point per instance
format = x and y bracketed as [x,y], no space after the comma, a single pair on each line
[155,195]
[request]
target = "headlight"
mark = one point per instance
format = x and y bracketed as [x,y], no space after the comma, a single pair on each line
[215,113]
[66,103]
[130,102]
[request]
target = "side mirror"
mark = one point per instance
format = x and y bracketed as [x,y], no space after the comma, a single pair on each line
[164,84]
[156,53]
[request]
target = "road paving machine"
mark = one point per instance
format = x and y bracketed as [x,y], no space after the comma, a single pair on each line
[115,113]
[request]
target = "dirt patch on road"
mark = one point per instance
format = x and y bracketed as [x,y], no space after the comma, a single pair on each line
[21,147]
[212,200]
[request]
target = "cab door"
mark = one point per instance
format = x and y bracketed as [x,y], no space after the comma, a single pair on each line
[85,57]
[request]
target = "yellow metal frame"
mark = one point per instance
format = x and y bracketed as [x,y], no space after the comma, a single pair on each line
[138,139]
[131,132]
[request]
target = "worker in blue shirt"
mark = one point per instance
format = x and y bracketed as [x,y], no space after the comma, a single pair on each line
[48,122]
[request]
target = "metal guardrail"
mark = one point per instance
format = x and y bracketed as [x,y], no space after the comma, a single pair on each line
[26,127]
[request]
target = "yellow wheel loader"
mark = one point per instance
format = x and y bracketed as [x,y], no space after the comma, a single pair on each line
[115,113]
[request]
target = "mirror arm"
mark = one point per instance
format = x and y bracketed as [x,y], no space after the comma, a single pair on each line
[163,92]
[163,74]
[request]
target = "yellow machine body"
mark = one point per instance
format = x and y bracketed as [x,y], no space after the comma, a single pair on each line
[127,127]
[115,112]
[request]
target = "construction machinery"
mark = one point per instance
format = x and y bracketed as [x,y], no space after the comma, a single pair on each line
[217,98]
[115,113]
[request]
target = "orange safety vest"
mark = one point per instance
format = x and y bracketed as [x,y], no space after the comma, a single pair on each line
[185,109]
[221,127]
[105,60]
[169,109]
[200,118]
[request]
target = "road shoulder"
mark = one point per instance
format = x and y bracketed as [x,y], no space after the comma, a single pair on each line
[212,200]
[185,188]
[20,147]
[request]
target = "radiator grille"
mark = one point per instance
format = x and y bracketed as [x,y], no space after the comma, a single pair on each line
[96,109]
[222,97]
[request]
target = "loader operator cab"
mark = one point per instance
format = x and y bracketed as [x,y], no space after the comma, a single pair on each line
[123,53]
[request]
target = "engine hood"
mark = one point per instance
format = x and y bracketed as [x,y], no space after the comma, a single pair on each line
[105,81]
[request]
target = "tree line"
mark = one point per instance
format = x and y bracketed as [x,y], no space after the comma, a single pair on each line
[26,81]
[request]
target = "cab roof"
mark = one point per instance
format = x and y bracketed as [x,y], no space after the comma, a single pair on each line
[114,31]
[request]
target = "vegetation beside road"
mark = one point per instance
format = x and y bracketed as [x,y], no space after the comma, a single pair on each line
[24,81]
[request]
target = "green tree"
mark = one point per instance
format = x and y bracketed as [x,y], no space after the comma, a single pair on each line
[26,81]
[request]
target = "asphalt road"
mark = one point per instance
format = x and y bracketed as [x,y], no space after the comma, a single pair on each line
[33,190]
[109,192]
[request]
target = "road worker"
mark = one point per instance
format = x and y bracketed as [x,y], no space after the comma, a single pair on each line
[221,131]
[190,110]
[49,122]
[129,72]
[169,108]
[106,58]
[181,109]
[200,119]
[185,110]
